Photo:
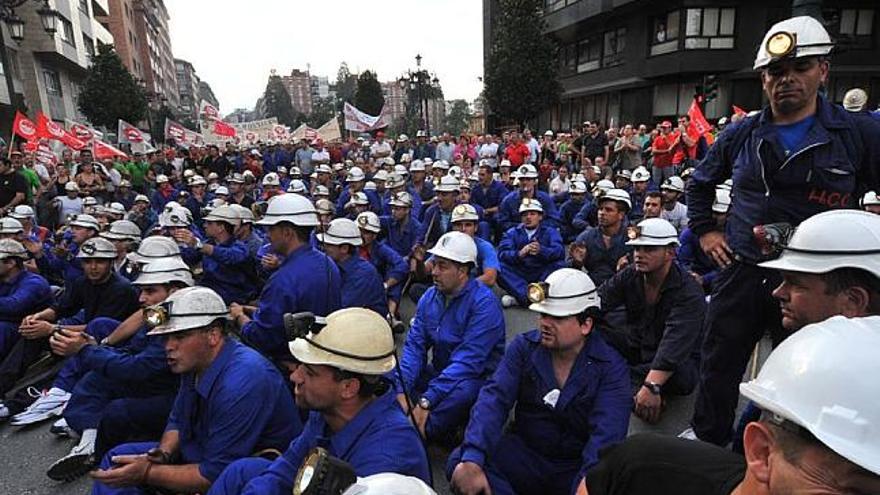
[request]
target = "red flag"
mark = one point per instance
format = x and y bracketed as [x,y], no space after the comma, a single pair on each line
[103,150]
[223,129]
[698,120]
[52,130]
[24,127]
[175,131]
[31,146]
[738,111]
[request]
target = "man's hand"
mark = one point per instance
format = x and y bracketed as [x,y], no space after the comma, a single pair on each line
[270,261]
[715,246]
[32,246]
[36,330]
[69,343]
[525,250]
[648,405]
[401,399]
[578,254]
[421,419]
[582,488]
[698,278]
[468,478]
[128,470]
[535,247]
[184,236]
[235,311]
[622,262]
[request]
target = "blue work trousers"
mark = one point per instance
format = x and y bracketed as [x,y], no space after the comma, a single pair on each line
[515,280]
[237,475]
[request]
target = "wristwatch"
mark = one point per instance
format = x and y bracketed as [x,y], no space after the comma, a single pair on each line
[652,387]
[198,245]
[425,404]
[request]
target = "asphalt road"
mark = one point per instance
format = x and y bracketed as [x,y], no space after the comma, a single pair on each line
[26,453]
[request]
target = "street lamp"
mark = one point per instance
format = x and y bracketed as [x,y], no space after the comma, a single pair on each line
[15,24]
[419,80]
[48,18]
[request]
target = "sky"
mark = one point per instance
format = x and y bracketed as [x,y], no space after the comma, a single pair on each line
[233,45]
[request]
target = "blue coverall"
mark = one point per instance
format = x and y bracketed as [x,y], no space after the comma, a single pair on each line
[601,260]
[401,237]
[389,264]
[465,336]
[548,447]
[362,285]
[379,439]
[307,280]
[509,216]
[516,273]
[26,294]
[238,406]
[228,270]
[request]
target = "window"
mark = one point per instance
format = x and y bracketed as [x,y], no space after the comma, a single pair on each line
[568,59]
[551,5]
[589,54]
[14,63]
[615,43]
[66,31]
[52,82]
[89,45]
[709,28]
[856,22]
[84,6]
[665,29]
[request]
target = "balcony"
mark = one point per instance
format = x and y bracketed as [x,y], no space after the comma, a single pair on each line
[101,8]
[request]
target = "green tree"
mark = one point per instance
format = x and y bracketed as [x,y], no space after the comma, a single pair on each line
[458,118]
[157,126]
[323,109]
[278,103]
[346,85]
[110,92]
[368,97]
[521,70]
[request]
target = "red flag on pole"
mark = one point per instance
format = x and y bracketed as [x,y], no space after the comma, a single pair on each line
[738,111]
[24,127]
[698,120]
[103,150]
[52,130]
[223,129]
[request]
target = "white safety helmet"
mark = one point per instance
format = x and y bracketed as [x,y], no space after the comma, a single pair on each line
[722,201]
[527,171]
[9,225]
[417,166]
[71,186]
[389,484]
[294,172]
[577,187]
[618,195]
[796,37]
[323,169]
[369,221]
[455,246]
[356,174]
[10,248]
[225,214]
[122,230]
[603,185]
[855,100]
[175,216]
[381,175]
[189,173]
[324,207]
[824,378]
[271,179]
[296,186]
[85,221]
[464,213]
[281,169]
[341,231]
[358,340]
[22,212]
[97,248]
[141,198]
[454,171]
[505,163]
[565,292]
[674,183]
[186,309]
[439,164]
[359,198]
[165,271]
[448,183]
[161,179]
[830,240]
[291,208]
[221,191]
[395,180]
[401,170]
[155,247]
[244,214]
[321,191]
[641,174]
[530,204]
[869,199]
[401,199]
[369,186]
[652,232]
[197,180]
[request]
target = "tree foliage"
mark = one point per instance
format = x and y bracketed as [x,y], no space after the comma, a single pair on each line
[368,97]
[458,118]
[323,109]
[521,71]
[110,92]
[278,102]
[346,85]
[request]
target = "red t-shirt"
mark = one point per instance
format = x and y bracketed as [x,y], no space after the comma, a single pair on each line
[663,160]
[680,150]
[517,154]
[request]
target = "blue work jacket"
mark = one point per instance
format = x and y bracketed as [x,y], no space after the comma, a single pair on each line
[229,271]
[362,285]
[140,361]
[345,197]
[517,237]
[379,439]
[465,334]
[24,295]
[488,197]
[591,412]
[837,162]
[65,266]
[692,258]
[387,262]
[509,216]
[567,213]
[601,261]
[401,238]
[307,280]
[238,406]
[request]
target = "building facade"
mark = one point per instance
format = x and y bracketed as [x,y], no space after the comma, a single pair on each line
[299,87]
[187,88]
[638,61]
[48,71]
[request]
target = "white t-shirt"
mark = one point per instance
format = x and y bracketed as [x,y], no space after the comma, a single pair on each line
[321,156]
[378,148]
[68,207]
[677,216]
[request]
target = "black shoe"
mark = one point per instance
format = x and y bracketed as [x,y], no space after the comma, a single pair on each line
[71,467]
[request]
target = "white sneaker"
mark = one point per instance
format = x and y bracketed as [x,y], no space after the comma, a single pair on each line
[78,462]
[62,429]
[49,404]
[508,301]
[688,434]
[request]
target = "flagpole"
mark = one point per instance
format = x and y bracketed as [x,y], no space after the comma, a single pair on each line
[11,145]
